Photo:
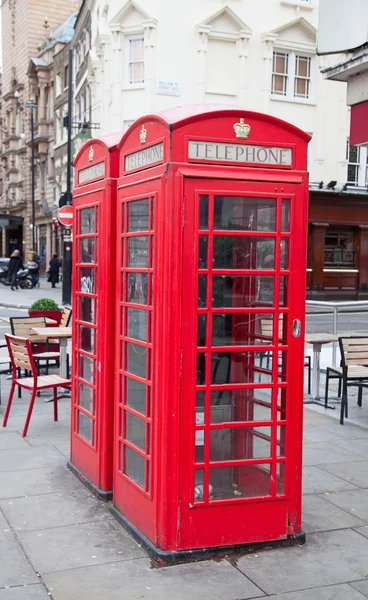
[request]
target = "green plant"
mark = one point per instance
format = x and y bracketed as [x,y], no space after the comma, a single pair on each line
[44,304]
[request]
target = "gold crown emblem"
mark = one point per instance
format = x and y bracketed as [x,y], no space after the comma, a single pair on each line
[91,154]
[242,130]
[143,135]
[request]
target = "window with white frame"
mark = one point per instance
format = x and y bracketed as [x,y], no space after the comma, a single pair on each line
[58,84]
[357,170]
[134,60]
[291,75]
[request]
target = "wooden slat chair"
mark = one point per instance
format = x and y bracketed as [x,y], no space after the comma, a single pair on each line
[23,327]
[20,352]
[266,330]
[353,370]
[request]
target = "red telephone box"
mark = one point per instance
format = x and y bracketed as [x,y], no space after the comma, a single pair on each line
[212,215]
[94,256]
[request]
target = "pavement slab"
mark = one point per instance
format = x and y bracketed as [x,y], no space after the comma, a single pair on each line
[319,515]
[331,592]
[84,545]
[327,452]
[355,473]
[52,510]
[360,446]
[137,580]
[19,459]
[362,587]
[355,502]
[327,558]
[317,481]
[33,482]
[15,568]
[11,439]
[26,592]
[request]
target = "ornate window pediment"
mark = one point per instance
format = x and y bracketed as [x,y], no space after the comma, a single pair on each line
[225,24]
[130,19]
[295,35]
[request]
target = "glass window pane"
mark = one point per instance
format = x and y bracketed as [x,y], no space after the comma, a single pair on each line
[87,309]
[202,254]
[203,212]
[87,220]
[201,368]
[240,405]
[284,253]
[285,215]
[85,397]
[88,280]
[136,395]
[134,465]
[284,281]
[248,481]
[137,288]
[138,213]
[86,368]
[239,367]
[246,252]
[242,329]
[198,485]
[135,431]
[87,250]
[201,336]
[242,291]
[137,324]
[240,443]
[85,426]
[86,339]
[239,212]
[138,252]
[202,291]
[136,359]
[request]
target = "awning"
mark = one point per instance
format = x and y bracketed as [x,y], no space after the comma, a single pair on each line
[359,124]
[7,220]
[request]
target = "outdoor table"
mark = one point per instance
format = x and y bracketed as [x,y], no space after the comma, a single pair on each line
[317,340]
[61,333]
[47,319]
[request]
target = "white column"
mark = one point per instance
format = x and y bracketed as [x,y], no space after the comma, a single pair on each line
[202,40]
[116,71]
[150,63]
[268,41]
[242,45]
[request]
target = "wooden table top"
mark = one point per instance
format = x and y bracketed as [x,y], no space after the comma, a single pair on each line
[320,338]
[48,320]
[53,332]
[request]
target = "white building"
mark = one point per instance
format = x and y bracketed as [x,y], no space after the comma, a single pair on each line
[258,54]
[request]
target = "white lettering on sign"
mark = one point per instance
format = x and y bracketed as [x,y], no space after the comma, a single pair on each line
[145,157]
[94,172]
[240,153]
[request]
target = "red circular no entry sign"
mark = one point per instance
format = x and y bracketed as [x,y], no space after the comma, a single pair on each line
[65,215]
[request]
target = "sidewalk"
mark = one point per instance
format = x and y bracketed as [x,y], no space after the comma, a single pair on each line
[57,541]
[24,298]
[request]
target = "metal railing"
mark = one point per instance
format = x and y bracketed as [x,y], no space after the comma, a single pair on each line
[334,308]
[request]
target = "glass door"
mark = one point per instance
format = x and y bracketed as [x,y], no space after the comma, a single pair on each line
[237,374]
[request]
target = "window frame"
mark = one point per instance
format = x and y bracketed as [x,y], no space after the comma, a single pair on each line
[291,77]
[361,165]
[128,62]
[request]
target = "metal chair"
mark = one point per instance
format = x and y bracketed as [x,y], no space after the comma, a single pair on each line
[20,352]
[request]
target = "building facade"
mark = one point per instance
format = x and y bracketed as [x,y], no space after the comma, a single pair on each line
[29,41]
[148,55]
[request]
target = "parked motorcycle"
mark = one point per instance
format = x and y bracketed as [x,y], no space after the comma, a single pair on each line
[24,280]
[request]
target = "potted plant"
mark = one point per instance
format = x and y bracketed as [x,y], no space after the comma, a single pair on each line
[46,307]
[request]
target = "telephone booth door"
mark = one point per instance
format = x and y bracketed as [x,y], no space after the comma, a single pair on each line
[94,202]
[243,268]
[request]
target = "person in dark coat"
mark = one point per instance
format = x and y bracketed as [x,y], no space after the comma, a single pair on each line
[54,270]
[15,264]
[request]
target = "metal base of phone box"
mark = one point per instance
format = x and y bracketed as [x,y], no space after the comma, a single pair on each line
[168,558]
[105,496]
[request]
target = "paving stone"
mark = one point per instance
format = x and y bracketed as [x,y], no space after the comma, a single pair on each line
[15,569]
[318,515]
[360,446]
[362,587]
[20,459]
[327,452]
[355,473]
[313,433]
[333,592]
[355,502]
[136,579]
[73,546]
[316,481]
[33,482]
[27,592]
[51,510]
[362,530]
[328,558]
[11,439]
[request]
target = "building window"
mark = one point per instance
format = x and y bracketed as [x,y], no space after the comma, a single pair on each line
[135,60]
[291,75]
[66,77]
[58,87]
[357,171]
[340,248]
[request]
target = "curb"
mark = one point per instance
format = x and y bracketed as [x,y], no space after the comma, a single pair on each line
[12,305]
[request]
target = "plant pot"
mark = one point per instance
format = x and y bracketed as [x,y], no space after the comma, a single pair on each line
[50,314]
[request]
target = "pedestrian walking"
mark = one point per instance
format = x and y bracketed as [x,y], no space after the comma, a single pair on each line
[34,267]
[15,264]
[54,270]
